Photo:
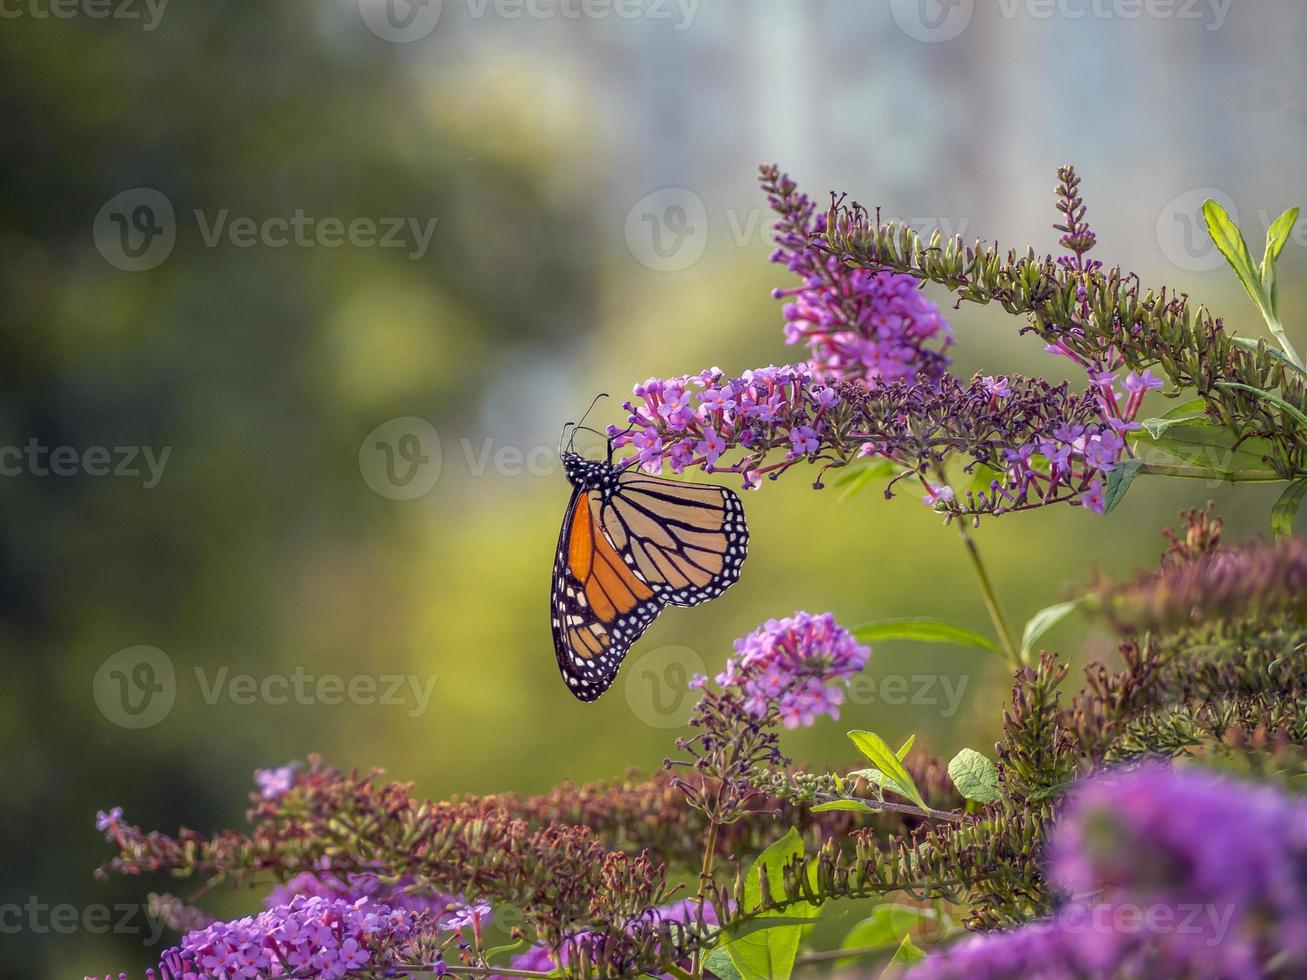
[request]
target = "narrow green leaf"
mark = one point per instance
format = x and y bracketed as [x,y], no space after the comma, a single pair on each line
[1188,411]
[881,782]
[768,951]
[1227,237]
[906,955]
[1247,343]
[883,758]
[1286,509]
[1118,482]
[1043,621]
[853,806]
[1276,237]
[1209,447]
[719,964]
[924,630]
[497,950]
[975,776]
[1270,396]
[906,747]
[882,929]
[858,477]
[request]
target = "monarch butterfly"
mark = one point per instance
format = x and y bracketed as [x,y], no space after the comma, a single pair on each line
[631,544]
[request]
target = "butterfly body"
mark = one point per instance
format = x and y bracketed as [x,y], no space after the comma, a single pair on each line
[630,545]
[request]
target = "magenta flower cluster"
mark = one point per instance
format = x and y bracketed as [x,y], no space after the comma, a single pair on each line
[1166,873]
[1079,457]
[858,325]
[309,937]
[692,421]
[872,326]
[794,666]
[403,895]
[540,959]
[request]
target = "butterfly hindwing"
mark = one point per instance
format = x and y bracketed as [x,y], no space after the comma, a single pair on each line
[599,607]
[630,544]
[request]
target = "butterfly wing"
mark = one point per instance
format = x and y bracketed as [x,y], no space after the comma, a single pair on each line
[620,560]
[599,606]
[686,540]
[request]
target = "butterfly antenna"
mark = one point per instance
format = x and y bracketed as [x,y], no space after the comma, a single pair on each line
[579,426]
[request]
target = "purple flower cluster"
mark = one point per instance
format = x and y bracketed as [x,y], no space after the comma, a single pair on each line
[403,895]
[277,781]
[540,959]
[868,326]
[308,937]
[792,666]
[695,420]
[1078,457]
[1171,873]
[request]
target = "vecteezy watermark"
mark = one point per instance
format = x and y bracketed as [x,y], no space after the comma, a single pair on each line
[65,919]
[1182,231]
[943,691]
[148,12]
[137,688]
[404,21]
[411,691]
[400,459]
[35,458]
[1080,915]
[403,458]
[656,684]
[669,229]
[934,21]
[136,230]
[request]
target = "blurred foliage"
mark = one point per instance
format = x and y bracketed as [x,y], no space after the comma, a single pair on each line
[263,550]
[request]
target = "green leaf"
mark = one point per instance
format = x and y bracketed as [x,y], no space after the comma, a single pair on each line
[1286,509]
[497,950]
[1192,409]
[1043,621]
[1276,237]
[1227,237]
[975,776]
[1247,343]
[1118,482]
[881,782]
[766,952]
[906,747]
[858,478]
[719,964]
[882,929]
[1210,448]
[983,477]
[1225,233]
[883,758]
[906,955]
[1270,396]
[771,921]
[853,806]
[924,630]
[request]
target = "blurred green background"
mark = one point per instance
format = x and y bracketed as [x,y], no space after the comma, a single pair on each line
[533,135]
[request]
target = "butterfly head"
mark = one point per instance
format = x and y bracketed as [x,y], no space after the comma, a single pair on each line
[588,474]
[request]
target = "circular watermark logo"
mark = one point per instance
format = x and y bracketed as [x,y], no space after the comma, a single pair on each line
[135,230]
[932,21]
[400,21]
[136,687]
[668,230]
[657,685]
[1182,231]
[400,459]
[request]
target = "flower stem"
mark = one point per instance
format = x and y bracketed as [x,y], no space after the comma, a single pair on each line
[996,616]
[705,877]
